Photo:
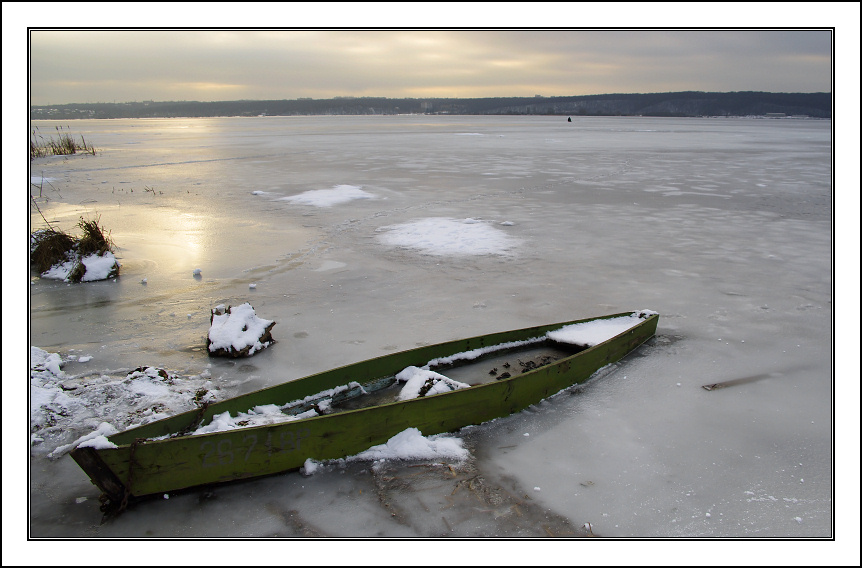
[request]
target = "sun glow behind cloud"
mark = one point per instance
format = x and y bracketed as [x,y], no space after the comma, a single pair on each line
[210,88]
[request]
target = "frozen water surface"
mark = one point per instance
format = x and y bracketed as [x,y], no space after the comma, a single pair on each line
[723,226]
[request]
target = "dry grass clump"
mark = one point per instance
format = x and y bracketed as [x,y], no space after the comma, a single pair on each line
[94,240]
[49,247]
[64,145]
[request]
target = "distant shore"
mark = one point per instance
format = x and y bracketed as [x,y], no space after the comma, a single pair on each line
[677,104]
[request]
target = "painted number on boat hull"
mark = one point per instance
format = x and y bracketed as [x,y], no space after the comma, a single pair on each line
[222,452]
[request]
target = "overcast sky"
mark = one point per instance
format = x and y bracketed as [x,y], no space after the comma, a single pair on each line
[135,65]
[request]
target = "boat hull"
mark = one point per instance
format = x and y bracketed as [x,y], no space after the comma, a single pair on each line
[141,466]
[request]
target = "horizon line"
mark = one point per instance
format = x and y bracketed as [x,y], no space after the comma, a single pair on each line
[349,97]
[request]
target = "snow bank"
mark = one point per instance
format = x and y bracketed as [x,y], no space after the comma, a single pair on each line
[92,406]
[445,236]
[238,331]
[329,197]
[41,360]
[594,332]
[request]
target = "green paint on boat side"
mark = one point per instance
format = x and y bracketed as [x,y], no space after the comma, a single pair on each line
[181,462]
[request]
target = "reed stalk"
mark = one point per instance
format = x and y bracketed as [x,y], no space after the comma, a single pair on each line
[64,144]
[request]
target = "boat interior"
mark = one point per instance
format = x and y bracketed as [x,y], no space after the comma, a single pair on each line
[492,366]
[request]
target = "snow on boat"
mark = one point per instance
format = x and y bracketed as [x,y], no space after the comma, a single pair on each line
[337,413]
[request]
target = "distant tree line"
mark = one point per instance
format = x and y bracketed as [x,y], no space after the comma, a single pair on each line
[684,104]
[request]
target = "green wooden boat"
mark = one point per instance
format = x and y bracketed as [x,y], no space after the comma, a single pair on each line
[347,410]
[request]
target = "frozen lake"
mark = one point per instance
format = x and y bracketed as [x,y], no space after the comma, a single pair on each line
[723,226]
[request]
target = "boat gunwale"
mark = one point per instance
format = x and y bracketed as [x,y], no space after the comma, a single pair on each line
[494,384]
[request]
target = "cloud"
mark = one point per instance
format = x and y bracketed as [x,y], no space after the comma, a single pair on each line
[106,65]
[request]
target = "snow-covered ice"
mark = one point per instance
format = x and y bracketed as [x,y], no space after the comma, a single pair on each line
[399,237]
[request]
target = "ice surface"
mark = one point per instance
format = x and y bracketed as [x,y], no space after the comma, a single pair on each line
[723,226]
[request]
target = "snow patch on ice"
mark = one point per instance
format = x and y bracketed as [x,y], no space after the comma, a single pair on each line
[445,236]
[329,197]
